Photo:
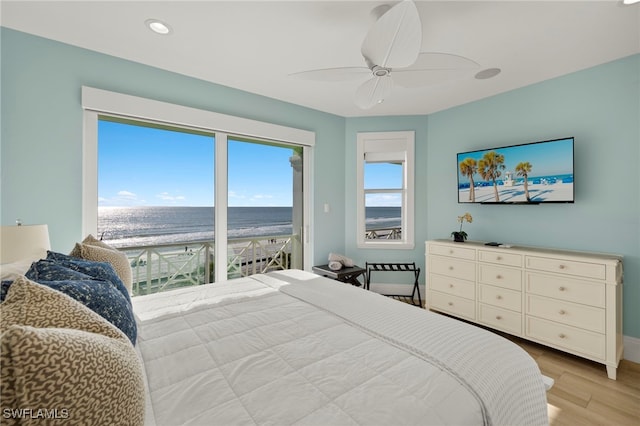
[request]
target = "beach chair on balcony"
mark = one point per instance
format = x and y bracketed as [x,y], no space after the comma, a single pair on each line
[408,269]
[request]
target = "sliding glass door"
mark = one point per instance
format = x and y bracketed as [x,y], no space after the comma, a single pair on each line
[181,201]
[265,204]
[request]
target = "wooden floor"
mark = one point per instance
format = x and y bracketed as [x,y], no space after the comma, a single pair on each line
[582,393]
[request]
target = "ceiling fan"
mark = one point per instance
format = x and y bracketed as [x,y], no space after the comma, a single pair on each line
[392,47]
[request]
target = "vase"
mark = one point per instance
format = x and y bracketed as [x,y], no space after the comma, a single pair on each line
[458,238]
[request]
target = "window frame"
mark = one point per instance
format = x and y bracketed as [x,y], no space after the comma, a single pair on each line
[386,147]
[98,102]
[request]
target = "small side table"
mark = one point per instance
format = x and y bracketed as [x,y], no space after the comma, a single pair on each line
[346,275]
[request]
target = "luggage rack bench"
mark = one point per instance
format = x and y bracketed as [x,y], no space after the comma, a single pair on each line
[396,267]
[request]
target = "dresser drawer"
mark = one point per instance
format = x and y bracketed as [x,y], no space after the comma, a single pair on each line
[500,276]
[455,286]
[573,339]
[454,305]
[500,257]
[505,320]
[572,290]
[501,297]
[452,268]
[580,316]
[580,269]
[453,251]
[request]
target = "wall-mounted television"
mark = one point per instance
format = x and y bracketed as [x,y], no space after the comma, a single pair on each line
[530,173]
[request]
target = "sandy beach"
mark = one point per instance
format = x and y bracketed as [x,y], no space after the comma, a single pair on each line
[513,194]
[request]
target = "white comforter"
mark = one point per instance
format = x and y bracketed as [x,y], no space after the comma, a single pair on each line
[293,348]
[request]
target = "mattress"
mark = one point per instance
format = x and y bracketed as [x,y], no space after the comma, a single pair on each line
[290,347]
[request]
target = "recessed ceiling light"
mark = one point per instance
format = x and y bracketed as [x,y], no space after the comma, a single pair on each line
[158,27]
[488,73]
[630,1]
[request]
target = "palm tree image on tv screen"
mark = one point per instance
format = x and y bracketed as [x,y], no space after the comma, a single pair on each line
[538,172]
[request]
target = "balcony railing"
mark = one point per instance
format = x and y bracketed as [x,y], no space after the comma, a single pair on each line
[167,266]
[384,234]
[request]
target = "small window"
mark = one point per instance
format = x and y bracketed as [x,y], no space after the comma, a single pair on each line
[385,190]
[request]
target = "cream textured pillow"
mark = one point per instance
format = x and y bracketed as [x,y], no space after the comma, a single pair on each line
[93,241]
[56,354]
[94,249]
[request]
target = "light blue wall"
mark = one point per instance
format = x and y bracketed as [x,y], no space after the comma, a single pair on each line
[41,132]
[599,106]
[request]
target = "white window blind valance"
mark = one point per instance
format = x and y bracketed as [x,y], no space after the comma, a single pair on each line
[385,157]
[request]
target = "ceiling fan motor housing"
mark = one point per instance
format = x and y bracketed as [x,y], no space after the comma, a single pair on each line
[379,71]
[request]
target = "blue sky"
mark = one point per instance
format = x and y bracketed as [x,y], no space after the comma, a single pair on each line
[141,166]
[546,159]
[382,176]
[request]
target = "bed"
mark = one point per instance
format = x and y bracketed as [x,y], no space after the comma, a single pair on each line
[291,347]
[282,348]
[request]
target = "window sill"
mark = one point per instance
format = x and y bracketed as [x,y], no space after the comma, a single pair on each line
[388,245]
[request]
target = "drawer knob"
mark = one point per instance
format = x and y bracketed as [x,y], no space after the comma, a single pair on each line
[498,277]
[499,258]
[562,336]
[562,289]
[450,251]
[451,268]
[450,303]
[499,297]
[562,312]
[450,285]
[562,266]
[498,317]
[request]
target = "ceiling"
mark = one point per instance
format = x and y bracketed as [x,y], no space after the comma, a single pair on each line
[256,45]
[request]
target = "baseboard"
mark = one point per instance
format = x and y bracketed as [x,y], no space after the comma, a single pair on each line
[631,348]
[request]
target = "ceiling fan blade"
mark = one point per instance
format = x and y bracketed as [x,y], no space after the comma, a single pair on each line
[335,74]
[373,91]
[433,68]
[394,40]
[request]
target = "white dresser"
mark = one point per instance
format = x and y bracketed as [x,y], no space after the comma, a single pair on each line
[568,300]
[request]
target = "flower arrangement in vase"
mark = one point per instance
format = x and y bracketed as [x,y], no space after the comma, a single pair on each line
[460,236]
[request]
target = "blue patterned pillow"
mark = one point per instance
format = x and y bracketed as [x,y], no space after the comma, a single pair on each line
[103,299]
[100,295]
[50,271]
[61,273]
[97,270]
[32,272]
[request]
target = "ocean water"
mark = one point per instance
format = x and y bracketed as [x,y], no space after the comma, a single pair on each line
[138,226]
[382,217]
